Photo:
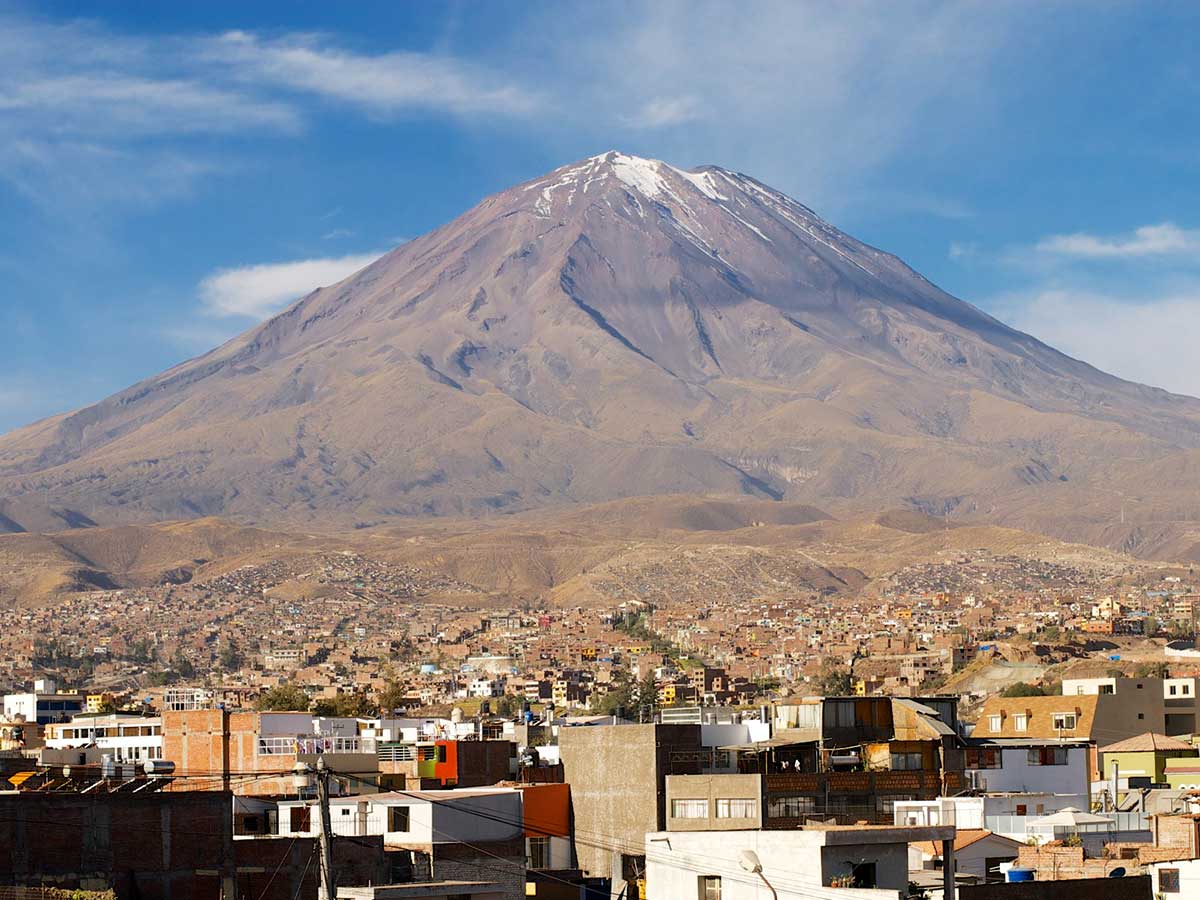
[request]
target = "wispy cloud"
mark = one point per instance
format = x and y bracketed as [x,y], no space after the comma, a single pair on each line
[1166,239]
[662,112]
[258,291]
[1145,338]
[90,115]
[383,83]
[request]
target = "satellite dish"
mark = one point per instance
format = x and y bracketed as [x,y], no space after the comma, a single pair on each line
[1118,872]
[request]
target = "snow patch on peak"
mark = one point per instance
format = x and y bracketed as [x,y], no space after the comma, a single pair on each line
[701,181]
[643,175]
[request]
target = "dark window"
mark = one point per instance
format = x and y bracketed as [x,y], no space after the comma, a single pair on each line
[907,761]
[1047,756]
[864,875]
[301,819]
[398,818]
[984,758]
[539,853]
[790,807]
[710,887]
[1141,715]
[1168,881]
[441,753]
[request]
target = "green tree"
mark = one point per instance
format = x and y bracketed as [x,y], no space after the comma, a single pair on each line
[834,680]
[230,656]
[182,666]
[351,706]
[391,697]
[507,706]
[286,697]
[1023,689]
[619,696]
[1152,670]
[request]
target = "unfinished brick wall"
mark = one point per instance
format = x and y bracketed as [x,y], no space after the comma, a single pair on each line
[1054,862]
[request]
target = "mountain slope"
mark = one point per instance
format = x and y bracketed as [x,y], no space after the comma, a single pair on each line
[619,328]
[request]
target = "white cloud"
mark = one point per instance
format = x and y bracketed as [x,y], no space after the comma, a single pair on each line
[963,251]
[261,290]
[385,83]
[1152,341]
[1166,239]
[662,112]
[124,106]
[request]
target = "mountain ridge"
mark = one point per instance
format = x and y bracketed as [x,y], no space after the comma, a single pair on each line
[617,328]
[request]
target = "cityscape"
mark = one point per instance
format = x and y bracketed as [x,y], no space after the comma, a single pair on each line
[616,451]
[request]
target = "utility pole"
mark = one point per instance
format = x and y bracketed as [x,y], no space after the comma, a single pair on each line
[328,889]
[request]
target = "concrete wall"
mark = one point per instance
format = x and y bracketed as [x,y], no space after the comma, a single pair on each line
[711,788]
[617,775]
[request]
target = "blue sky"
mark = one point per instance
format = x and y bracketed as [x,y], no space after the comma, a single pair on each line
[170,173]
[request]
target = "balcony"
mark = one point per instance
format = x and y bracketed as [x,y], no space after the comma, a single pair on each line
[916,781]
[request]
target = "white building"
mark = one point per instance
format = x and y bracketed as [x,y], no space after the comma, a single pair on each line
[1178,878]
[978,853]
[44,704]
[484,688]
[416,820]
[1042,767]
[804,864]
[126,738]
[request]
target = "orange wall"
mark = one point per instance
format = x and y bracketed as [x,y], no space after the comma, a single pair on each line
[547,810]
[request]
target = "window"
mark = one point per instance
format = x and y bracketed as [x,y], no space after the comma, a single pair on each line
[1173,690]
[1108,689]
[1020,722]
[1168,881]
[345,810]
[1022,809]
[864,875]
[907,761]
[994,723]
[736,809]
[399,818]
[1141,715]
[689,809]
[301,819]
[710,887]
[984,758]
[539,853]
[790,807]
[1064,721]
[1047,756]
[441,753]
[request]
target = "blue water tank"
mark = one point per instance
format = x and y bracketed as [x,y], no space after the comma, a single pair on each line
[428,668]
[1019,875]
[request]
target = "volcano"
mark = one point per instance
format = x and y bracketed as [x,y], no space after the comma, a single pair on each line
[623,328]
